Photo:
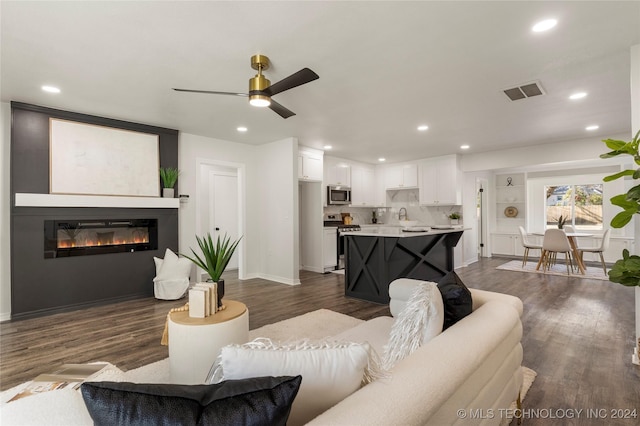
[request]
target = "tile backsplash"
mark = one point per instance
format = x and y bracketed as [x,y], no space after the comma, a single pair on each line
[425,215]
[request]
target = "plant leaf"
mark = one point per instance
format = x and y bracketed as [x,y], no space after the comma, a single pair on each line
[618,175]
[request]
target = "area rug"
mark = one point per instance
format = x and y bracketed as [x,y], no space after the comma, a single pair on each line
[559,268]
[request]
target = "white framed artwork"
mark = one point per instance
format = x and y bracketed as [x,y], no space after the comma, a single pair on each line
[98,160]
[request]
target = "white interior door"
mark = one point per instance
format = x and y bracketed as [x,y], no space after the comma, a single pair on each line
[223,208]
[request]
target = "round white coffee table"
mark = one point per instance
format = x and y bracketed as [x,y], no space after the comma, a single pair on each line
[195,343]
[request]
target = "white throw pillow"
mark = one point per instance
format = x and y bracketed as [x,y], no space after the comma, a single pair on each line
[172,267]
[420,321]
[330,371]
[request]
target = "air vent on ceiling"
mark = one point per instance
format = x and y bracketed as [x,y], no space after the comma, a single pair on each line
[526,90]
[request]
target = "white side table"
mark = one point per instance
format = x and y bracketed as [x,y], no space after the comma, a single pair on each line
[195,343]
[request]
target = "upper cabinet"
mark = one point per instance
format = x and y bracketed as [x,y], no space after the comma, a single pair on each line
[363,187]
[402,176]
[310,165]
[440,181]
[338,174]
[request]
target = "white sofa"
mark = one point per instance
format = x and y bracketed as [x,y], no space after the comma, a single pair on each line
[473,366]
[472,369]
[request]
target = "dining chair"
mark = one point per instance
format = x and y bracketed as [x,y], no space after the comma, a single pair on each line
[604,244]
[555,241]
[524,239]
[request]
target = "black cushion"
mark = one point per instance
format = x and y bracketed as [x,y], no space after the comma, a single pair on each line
[456,298]
[255,401]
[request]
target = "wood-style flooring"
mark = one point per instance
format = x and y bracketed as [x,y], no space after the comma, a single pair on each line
[578,336]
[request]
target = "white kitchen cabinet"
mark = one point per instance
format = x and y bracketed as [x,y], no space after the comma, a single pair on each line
[440,181]
[330,249]
[401,176]
[363,190]
[509,245]
[309,166]
[338,174]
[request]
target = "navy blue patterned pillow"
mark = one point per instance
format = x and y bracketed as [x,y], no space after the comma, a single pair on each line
[256,401]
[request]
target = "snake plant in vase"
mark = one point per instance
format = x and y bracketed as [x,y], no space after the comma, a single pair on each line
[626,271]
[169,176]
[214,258]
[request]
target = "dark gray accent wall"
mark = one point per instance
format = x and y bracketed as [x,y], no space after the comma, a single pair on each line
[40,286]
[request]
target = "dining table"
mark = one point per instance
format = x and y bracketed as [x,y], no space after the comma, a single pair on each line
[571,236]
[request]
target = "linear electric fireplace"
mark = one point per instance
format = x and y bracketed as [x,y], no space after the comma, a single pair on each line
[65,238]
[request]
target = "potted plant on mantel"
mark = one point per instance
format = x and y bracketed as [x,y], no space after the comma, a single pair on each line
[169,176]
[215,258]
[626,271]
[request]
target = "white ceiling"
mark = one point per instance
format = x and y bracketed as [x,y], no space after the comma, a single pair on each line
[384,67]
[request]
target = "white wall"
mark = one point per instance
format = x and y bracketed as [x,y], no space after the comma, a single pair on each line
[277,183]
[269,247]
[587,149]
[195,150]
[5,199]
[635,124]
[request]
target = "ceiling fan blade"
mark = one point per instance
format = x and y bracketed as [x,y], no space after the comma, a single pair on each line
[212,92]
[299,78]
[280,110]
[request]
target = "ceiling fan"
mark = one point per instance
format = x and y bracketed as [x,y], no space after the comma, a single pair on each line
[261,90]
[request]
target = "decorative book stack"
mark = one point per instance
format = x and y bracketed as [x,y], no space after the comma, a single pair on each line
[203,300]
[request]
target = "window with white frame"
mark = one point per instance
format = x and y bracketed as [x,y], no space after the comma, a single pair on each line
[580,205]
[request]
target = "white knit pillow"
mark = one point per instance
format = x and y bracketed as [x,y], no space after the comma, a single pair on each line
[420,321]
[330,370]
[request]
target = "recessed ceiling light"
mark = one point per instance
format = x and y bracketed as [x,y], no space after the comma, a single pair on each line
[50,89]
[593,127]
[423,127]
[327,147]
[464,146]
[545,25]
[381,159]
[242,129]
[578,95]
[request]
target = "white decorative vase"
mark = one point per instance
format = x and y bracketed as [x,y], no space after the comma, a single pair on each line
[454,221]
[167,192]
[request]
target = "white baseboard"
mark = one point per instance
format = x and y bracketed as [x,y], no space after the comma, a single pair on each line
[312,269]
[277,279]
[5,316]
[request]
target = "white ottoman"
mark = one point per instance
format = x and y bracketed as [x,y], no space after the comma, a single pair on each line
[195,343]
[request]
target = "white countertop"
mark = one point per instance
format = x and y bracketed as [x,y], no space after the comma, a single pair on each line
[397,231]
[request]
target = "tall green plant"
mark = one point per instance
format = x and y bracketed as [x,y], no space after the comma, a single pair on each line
[215,257]
[169,176]
[625,271]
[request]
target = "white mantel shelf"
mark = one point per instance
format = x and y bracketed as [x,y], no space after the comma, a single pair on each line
[64,200]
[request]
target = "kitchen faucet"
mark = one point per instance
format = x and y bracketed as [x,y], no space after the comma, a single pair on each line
[402,216]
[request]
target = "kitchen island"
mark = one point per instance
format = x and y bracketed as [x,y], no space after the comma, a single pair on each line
[374,257]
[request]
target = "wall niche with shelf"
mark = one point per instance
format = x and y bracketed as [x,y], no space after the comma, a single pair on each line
[510,201]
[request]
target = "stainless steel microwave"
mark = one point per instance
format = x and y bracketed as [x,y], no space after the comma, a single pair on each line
[337,194]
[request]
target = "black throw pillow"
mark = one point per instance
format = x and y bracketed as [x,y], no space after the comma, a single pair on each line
[456,298]
[255,401]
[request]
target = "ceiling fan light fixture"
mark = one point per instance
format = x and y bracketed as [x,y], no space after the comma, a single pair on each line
[260,101]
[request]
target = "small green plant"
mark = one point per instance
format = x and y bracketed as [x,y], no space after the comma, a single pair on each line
[169,176]
[455,215]
[625,271]
[215,257]
[561,221]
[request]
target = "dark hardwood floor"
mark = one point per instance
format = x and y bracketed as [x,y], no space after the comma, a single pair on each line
[578,336]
